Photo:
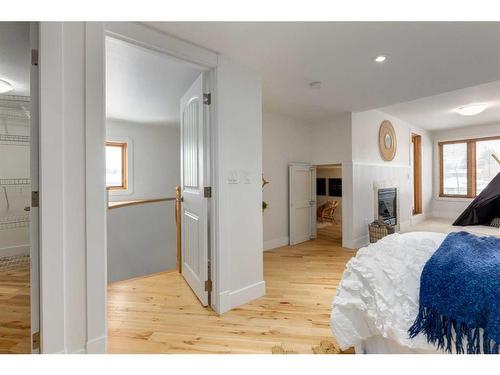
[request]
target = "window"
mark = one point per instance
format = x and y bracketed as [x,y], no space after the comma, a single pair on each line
[467,166]
[116,165]
[486,165]
[416,157]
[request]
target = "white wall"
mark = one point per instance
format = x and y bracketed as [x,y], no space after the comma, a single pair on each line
[285,140]
[142,240]
[331,140]
[154,159]
[239,206]
[370,171]
[451,208]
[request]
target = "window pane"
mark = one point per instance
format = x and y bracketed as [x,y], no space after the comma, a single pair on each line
[114,172]
[486,166]
[455,168]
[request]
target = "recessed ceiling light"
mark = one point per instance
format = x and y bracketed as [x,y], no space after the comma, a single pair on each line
[471,109]
[380,58]
[316,85]
[5,86]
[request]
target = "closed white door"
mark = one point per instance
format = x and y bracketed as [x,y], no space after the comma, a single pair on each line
[302,203]
[194,207]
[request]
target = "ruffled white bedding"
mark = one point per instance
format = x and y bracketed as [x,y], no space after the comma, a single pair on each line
[378,294]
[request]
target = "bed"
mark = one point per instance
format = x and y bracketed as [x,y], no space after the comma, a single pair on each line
[378,297]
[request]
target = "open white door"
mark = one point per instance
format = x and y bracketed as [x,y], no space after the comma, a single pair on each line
[302,201]
[195,206]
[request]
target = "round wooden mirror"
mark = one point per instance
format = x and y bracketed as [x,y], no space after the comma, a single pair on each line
[387,141]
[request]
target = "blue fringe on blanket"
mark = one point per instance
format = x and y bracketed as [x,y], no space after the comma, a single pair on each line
[460,295]
[442,331]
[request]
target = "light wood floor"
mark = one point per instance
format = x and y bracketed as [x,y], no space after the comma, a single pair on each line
[332,232]
[160,314]
[15,309]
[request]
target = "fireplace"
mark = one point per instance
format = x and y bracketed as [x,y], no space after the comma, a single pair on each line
[388,205]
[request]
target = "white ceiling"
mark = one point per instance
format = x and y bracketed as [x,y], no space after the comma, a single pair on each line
[437,112]
[14,56]
[424,59]
[144,86]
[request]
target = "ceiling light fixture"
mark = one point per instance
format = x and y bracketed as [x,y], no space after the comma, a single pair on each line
[5,86]
[380,59]
[471,109]
[316,85]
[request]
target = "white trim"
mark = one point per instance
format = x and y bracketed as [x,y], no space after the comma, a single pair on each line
[246,294]
[97,345]
[152,39]
[9,251]
[95,181]
[275,243]
[52,280]
[356,243]
[224,301]
[388,165]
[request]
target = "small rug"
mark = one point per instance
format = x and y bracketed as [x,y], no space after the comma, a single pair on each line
[324,347]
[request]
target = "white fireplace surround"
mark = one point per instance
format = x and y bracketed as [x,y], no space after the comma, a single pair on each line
[388,184]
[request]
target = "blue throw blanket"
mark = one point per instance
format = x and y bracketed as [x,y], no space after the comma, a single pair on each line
[460,293]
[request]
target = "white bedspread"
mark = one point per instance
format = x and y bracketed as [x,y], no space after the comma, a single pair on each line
[378,294]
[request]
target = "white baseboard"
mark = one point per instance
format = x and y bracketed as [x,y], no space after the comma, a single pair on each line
[356,243]
[14,250]
[229,300]
[97,345]
[224,302]
[247,294]
[276,242]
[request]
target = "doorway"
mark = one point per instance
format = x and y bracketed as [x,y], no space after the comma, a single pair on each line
[315,202]
[156,141]
[329,202]
[19,284]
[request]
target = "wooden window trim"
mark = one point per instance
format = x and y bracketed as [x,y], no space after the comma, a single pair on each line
[123,146]
[471,166]
[417,173]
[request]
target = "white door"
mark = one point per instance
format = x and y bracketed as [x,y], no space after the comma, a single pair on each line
[302,194]
[34,233]
[195,206]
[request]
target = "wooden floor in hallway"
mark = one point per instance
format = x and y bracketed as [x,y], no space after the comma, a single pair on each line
[160,314]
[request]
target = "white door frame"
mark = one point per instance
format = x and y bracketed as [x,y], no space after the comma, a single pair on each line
[313,231]
[96,206]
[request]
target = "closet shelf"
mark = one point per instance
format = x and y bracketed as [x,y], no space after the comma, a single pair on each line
[13,222]
[18,140]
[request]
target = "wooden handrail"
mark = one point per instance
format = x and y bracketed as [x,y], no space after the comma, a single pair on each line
[178,221]
[113,205]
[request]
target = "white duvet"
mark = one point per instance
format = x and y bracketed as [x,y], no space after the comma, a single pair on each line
[378,294]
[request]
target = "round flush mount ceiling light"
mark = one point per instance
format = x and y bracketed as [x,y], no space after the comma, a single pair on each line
[380,59]
[5,86]
[315,85]
[471,109]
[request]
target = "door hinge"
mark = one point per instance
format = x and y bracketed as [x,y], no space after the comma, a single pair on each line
[207,99]
[35,201]
[36,340]
[207,192]
[208,286]
[34,57]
